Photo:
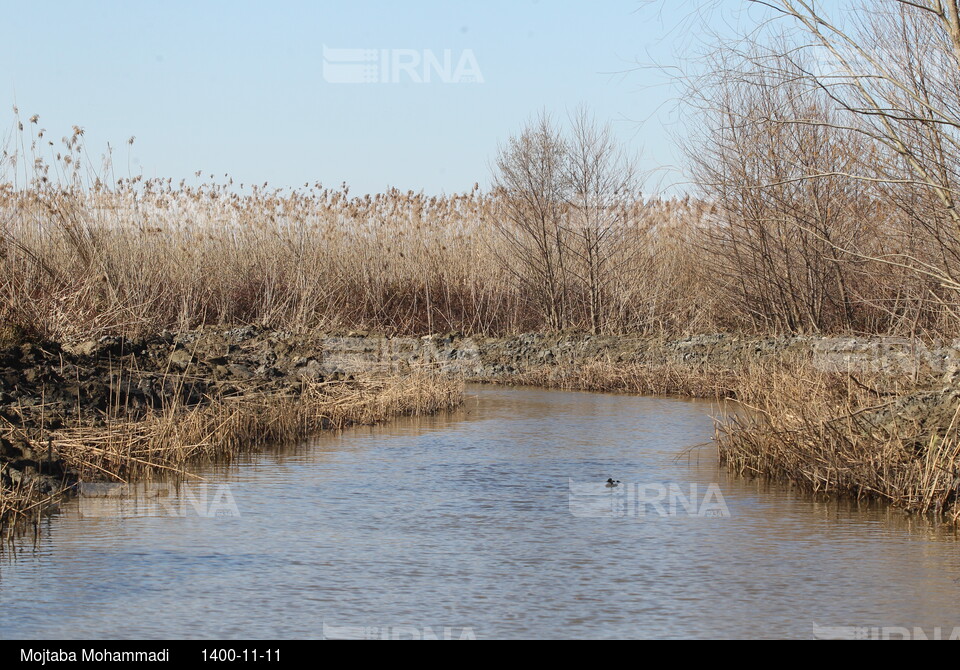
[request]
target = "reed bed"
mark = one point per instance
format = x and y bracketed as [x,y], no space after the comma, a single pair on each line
[22,501]
[169,441]
[835,433]
[148,256]
[83,255]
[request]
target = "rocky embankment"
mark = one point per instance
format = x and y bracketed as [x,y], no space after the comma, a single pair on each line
[885,355]
[45,386]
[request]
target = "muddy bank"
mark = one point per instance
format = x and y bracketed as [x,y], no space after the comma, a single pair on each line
[47,387]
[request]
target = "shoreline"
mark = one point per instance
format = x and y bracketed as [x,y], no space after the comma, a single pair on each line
[113,409]
[116,410]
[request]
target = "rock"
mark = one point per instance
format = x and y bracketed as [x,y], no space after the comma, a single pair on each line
[240,371]
[229,390]
[110,346]
[241,334]
[188,337]
[267,372]
[181,358]
[90,348]
[312,370]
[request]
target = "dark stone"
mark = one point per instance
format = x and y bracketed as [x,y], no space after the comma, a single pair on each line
[240,371]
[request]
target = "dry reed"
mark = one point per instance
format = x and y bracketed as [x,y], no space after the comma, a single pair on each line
[832,432]
[170,440]
[80,258]
[177,436]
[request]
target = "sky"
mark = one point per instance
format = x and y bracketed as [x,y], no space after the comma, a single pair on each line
[247,88]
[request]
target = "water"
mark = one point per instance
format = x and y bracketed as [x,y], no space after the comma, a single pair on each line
[461,526]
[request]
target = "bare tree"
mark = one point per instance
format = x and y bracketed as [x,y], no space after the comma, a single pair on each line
[775,243]
[830,135]
[891,69]
[529,176]
[601,187]
[566,206]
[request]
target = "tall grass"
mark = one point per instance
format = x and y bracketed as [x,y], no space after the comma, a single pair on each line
[83,254]
[169,440]
[831,432]
[145,256]
[176,437]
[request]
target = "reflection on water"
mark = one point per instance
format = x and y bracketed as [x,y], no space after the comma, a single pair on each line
[464,525]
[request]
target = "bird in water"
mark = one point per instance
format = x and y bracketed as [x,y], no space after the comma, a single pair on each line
[612,484]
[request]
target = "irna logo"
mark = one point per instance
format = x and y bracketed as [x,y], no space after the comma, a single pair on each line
[397,66]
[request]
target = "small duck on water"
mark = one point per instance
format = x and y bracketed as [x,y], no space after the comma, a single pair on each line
[611,484]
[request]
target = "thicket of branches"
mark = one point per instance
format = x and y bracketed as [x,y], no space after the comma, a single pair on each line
[829,146]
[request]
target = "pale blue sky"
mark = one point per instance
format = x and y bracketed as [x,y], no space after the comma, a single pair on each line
[237,86]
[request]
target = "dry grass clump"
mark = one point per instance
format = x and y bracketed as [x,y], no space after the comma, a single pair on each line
[170,440]
[665,379]
[833,432]
[22,500]
[177,436]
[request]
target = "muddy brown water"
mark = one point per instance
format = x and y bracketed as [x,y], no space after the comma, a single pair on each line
[488,522]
